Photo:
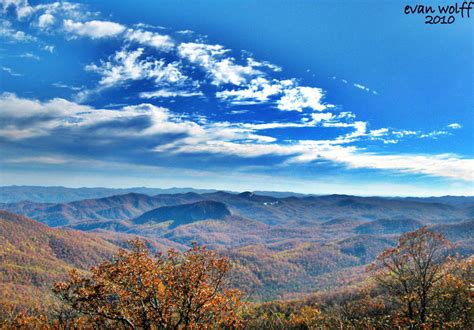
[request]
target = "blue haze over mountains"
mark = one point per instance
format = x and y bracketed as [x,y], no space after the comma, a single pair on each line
[323,241]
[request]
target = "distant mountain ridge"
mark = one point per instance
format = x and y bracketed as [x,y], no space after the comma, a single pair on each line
[185,213]
[59,194]
[269,210]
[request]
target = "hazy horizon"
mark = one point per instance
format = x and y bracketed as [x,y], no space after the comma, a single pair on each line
[226,190]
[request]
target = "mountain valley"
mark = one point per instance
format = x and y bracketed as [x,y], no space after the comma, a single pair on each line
[281,247]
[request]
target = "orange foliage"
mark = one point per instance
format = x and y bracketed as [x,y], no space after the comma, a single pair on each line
[168,291]
[418,275]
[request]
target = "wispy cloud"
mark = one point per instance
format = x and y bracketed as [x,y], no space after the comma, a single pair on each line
[12,35]
[164,93]
[185,32]
[298,98]
[221,69]
[286,95]
[38,160]
[212,138]
[48,48]
[10,71]
[152,39]
[127,65]
[455,126]
[258,90]
[30,55]
[60,85]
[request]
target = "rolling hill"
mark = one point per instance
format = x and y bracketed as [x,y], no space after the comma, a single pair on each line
[389,226]
[185,213]
[33,256]
[266,209]
[281,247]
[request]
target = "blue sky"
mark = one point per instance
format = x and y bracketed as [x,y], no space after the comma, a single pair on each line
[313,96]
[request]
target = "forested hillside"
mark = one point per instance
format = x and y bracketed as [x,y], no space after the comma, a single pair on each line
[419,284]
[281,247]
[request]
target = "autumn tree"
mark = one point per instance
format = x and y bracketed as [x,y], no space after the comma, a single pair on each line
[166,291]
[453,305]
[410,272]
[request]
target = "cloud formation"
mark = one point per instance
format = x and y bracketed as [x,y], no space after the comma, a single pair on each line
[155,64]
[152,39]
[12,35]
[93,29]
[164,93]
[221,69]
[127,65]
[146,121]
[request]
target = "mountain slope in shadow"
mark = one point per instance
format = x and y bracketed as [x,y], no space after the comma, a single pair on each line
[185,213]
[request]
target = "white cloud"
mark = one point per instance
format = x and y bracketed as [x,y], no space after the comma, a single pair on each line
[361,86]
[219,138]
[185,32]
[13,132]
[360,129]
[365,88]
[30,56]
[434,134]
[51,160]
[7,32]
[126,65]
[45,20]
[315,120]
[379,132]
[299,98]
[292,97]
[221,69]
[238,112]
[402,133]
[455,126]
[266,126]
[253,63]
[10,71]
[49,48]
[230,148]
[12,106]
[148,26]
[450,166]
[152,39]
[163,93]
[22,8]
[60,85]
[93,29]
[258,90]
[320,117]
[45,117]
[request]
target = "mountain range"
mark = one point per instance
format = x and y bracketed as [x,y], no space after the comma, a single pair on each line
[59,194]
[280,247]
